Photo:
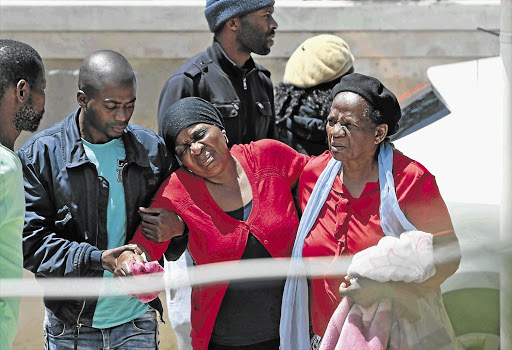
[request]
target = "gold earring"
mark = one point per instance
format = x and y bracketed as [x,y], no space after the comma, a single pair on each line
[226,138]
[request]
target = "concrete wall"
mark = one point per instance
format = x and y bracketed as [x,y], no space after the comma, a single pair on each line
[395,41]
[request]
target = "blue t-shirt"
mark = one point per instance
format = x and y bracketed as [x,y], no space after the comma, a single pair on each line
[109,159]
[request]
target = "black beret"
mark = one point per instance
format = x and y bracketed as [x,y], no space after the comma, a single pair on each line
[376,94]
[186,112]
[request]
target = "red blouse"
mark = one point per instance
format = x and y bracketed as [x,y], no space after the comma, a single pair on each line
[347,225]
[273,169]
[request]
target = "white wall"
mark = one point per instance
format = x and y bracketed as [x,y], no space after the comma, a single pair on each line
[396,41]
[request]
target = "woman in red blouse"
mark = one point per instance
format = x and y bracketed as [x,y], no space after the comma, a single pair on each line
[237,204]
[363,114]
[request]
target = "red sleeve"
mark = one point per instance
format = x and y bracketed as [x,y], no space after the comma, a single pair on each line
[160,200]
[426,210]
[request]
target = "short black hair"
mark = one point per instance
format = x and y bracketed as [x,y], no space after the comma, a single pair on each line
[101,66]
[18,61]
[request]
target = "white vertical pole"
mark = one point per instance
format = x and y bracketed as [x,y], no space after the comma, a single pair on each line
[506,203]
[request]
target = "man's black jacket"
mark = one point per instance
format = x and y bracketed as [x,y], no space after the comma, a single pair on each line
[66,204]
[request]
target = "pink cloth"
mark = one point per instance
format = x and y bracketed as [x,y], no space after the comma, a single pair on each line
[141,271]
[353,327]
[378,327]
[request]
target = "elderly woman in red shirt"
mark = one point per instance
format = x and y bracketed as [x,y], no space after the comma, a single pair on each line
[237,204]
[363,114]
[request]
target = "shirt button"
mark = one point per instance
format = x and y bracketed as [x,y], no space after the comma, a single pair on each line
[265,241]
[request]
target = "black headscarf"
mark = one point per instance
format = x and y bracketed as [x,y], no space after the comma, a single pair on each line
[186,112]
[376,94]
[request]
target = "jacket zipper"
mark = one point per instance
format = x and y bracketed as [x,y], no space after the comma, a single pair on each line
[77,329]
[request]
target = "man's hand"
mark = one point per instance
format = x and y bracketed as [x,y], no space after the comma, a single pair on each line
[108,257]
[160,225]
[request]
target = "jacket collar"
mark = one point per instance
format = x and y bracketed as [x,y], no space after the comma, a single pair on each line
[73,151]
[218,55]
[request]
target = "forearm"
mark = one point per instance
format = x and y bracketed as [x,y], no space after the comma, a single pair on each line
[153,250]
[48,256]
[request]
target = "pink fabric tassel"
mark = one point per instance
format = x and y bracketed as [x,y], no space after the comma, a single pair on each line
[141,271]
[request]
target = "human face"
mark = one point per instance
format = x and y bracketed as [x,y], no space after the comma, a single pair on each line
[351,134]
[203,149]
[257,31]
[107,112]
[29,115]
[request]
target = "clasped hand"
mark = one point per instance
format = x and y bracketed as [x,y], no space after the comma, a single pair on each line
[366,292]
[117,260]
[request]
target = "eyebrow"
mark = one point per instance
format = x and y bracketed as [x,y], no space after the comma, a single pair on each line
[109,100]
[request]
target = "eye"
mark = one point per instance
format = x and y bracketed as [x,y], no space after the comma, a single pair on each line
[180,150]
[331,121]
[111,108]
[200,134]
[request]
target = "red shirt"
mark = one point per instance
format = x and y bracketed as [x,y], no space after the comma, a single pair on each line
[273,169]
[347,225]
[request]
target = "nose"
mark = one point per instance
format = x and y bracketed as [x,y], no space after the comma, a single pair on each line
[123,114]
[273,23]
[338,130]
[196,148]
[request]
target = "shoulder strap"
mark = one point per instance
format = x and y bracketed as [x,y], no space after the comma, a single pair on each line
[199,66]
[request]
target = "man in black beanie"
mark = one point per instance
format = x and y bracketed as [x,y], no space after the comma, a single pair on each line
[227,76]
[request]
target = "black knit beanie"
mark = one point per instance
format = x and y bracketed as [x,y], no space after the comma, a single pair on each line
[186,112]
[376,94]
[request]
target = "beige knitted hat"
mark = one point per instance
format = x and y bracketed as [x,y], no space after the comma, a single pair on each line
[318,60]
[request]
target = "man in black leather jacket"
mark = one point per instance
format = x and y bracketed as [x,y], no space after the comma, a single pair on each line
[226,75]
[85,179]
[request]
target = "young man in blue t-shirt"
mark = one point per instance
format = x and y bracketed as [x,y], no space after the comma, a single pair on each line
[85,179]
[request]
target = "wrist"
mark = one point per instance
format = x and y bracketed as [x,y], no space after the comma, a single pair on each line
[97,260]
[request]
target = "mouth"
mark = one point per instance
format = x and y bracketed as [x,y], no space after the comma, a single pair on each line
[270,38]
[119,128]
[337,148]
[208,158]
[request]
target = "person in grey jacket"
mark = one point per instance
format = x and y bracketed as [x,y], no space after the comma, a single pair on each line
[85,179]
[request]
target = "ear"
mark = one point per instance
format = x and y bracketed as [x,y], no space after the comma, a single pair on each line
[223,132]
[233,24]
[381,131]
[22,91]
[81,98]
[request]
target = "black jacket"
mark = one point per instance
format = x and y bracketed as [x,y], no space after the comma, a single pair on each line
[244,96]
[304,132]
[66,204]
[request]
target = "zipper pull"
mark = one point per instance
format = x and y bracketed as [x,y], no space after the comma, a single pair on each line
[245,83]
[76,334]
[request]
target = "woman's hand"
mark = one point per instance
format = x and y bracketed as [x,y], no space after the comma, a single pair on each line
[160,225]
[366,292]
[123,262]
[110,256]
